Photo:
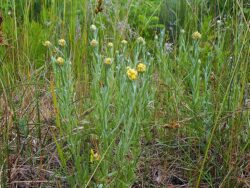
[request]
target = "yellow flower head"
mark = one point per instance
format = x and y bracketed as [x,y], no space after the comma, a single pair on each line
[124,42]
[110,44]
[132,74]
[62,42]
[47,44]
[108,61]
[93,27]
[141,67]
[60,61]
[94,43]
[94,156]
[141,40]
[196,35]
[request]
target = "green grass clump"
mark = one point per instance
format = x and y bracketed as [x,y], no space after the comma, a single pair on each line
[124,93]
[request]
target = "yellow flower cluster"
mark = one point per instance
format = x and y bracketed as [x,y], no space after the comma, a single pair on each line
[110,44]
[60,61]
[132,73]
[124,42]
[141,67]
[93,28]
[62,42]
[94,43]
[108,61]
[141,40]
[196,35]
[94,156]
[47,44]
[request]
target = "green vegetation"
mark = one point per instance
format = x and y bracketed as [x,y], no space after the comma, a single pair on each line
[151,93]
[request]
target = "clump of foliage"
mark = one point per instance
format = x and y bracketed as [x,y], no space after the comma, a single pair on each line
[98,93]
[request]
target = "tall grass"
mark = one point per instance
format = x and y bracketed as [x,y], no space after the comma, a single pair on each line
[86,110]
